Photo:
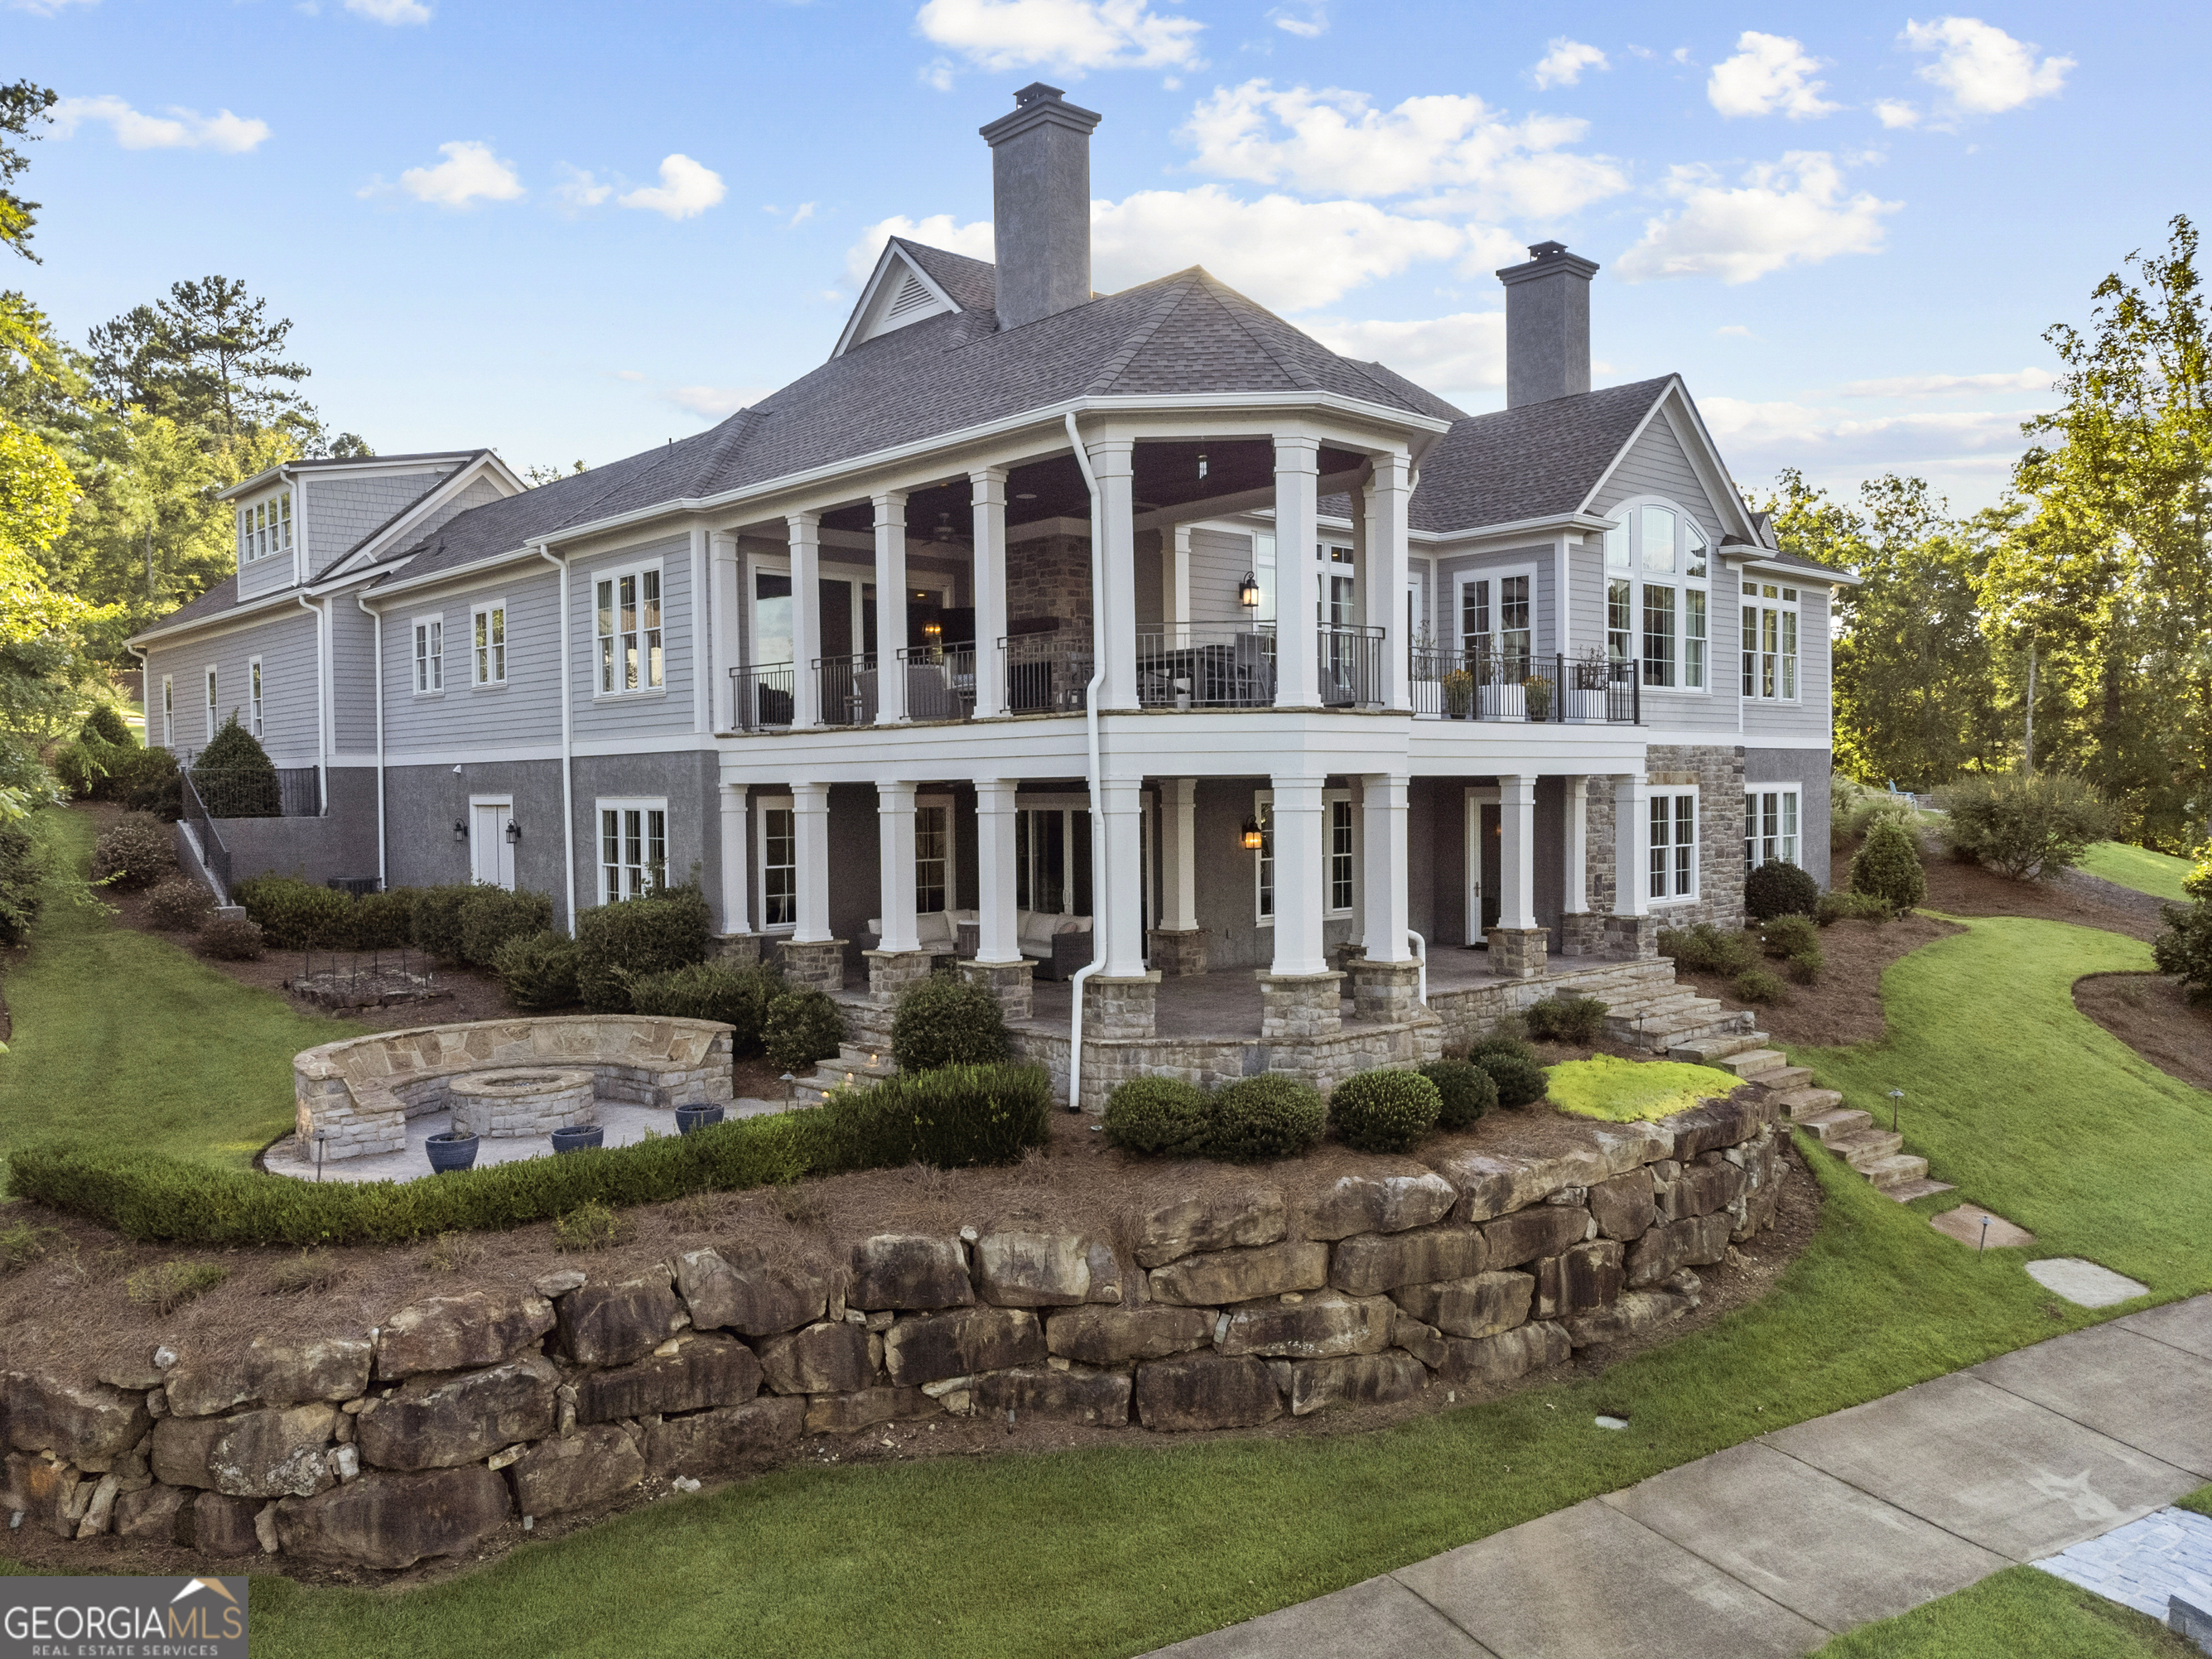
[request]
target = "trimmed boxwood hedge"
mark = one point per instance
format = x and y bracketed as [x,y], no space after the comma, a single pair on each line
[1384,1111]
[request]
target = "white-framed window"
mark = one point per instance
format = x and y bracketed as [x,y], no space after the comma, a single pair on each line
[1658,595]
[1343,853]
[1340,855]
[1672,846]
[168,711]
[1769,824]
[1770,642]
[777,827]
[429,655]
[626,621]
[266,527]
[211,702]
[488,643]
[632,849]
[1497,617]
[932,856]
[254,691]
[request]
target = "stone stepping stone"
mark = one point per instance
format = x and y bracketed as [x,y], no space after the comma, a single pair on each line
[2145,1563]
[2084,1284]
[1964,1225]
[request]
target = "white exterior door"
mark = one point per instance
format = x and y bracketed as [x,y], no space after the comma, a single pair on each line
[491,854]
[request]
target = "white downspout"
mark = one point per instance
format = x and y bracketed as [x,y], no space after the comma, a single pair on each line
[376,621]
[1098,862]
[567,744]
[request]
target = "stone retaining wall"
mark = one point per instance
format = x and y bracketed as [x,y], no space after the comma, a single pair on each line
[423,1436]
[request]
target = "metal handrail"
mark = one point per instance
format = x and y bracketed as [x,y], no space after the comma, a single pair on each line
[940,681]
[1043,676]
[848,689]
[1492,684]
[213,853]
[1349,660]
[1182,666]
[761,697]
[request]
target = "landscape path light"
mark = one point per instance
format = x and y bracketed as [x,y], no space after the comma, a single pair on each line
[1896,1100]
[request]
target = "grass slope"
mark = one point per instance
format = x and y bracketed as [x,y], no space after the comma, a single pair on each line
[128,1037]
[2158,873]
[2022,1612]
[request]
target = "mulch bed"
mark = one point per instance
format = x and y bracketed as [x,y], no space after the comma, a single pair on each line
[1845,1005]
[2153,1016]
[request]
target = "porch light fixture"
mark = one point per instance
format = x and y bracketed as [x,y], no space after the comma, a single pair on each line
[1201,466]
[460,829]
[944,527]
[933,631]
[513,830]
[1255,838]
[1247,591]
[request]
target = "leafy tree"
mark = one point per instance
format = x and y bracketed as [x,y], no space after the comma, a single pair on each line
[209,354]
[20,106]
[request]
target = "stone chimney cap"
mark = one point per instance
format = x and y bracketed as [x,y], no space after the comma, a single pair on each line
[1036,105]
[1544,259]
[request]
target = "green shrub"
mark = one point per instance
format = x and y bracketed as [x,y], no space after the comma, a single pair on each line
[1162,1114]
[1567,1019]
[944,1021]
[491,915]
[1260,1117]
[591,1226]
[1775,889]
[1805,966]
[231,939]
[136,850]
[298,915]
[179,904]
[1704,949]
[435,926]
[1384,1110]
[1841,904]
[1786,936]
[1758,985]
[234,776]
[800,1027]
[149,782]
[1888,866]
[538,972]
[615,942]
[954,1118]
[172,1284]
[23,882]
[106,724]
[382,922]
[738,997]
[1513,1067]
[1854,810]
[82,766]
[2184,948]
[2028,825]
[1464,1090]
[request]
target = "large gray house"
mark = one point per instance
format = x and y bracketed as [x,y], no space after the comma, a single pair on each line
[1033,612]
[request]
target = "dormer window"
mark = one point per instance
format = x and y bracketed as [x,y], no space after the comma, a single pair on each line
[264,528]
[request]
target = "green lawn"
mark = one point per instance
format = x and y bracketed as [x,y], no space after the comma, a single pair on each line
[2022,1612]
[2157,873]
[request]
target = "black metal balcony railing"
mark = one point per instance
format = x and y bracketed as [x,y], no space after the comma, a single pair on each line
[1182,666]
[848,689]
[761,697]
[1045,674]
[1490,684]
[1350,664]
[940,681]
[285,792]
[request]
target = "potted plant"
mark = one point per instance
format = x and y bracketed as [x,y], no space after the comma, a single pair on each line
[688,1118]
[1459,694]
[574,1137]
[1536,692]
[1586,702]
[451,1148]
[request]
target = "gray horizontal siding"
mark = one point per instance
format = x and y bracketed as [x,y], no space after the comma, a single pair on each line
[341,509]
[1219,562]
[353,677]
[668,711]
[525,710]
[286,645]
[1450,567]
[271,574]
[1655,465]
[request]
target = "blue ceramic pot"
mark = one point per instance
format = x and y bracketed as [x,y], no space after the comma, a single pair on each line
[450,1150]
[578,1136]
[688,1118]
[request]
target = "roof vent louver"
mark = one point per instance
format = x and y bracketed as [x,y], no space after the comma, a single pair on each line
[911,297]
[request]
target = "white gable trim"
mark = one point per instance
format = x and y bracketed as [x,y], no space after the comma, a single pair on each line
[1698,449]
[486,465]
[898,292]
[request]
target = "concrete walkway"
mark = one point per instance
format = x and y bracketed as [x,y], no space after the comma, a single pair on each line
[1772,1547]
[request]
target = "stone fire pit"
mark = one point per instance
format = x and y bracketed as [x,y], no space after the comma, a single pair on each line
[510,1105]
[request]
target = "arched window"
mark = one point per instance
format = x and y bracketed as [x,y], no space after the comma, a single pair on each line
[1658,594]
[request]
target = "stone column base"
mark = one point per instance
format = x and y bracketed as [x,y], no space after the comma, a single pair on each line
[1387,990]
[890,972]
[1176,952]
[1635,938]
[819,965]
[1518,952]
[1123,1005]
[735,950]
[1295,1006]
[1011,982]
[1582,933]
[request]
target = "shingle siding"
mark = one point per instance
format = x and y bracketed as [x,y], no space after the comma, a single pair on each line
[341,509]
[1655,465]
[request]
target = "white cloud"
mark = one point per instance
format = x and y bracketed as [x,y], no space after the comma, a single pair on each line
[1980,69]
[938,230]
[45,7]
[1769,72]
[1759,437]
[1734,331]
[580,189]
[1462,352]
[1562,65]
[715,400]
[1310,21]
[1068,35]
[1468,155]
[179,128]
[390,11]
[800,215]
[1789,212]
[628,374]
[1895,113]
[686,190]
[1933,386]
[469,173]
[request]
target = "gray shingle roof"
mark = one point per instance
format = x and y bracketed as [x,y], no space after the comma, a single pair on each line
[1532,462]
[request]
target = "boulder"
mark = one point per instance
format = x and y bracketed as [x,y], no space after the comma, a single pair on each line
[1508,1354]
[1673,1245]
[267,1453]
[842,1413]
[1481,1305]
[712,1370]
[743,1291]
[222,1525]
[394,1520]
[929,1348]
[1380,1203]
[138,1375]
[1544,1230]
[1115,1336]
[575,1472]
[1098,1398]
[1756,1208]
[1719,1123]
[908,1271]
[265,1372]
[825,1359]
[439,1422]
[1372,1263]
[1425,1342]
[460,1333]
[154,1514]
[1589,1277]
[1710,1184]
[725,1439]
[90,1425]
[46,1492]
[1245,1275]
[1191,1225]
[1364,1379]
[1036,1270]
[1624,1206]
[1206,1391]
[615,1324]
[1326,1325]
[1632,1315]
[1491,1185]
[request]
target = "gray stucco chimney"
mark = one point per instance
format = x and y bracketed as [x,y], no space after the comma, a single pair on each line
[1041,205]
[1547,352]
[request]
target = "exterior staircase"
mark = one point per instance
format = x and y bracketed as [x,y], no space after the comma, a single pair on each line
[1669,1016]
[1878,1154]
[850,1070]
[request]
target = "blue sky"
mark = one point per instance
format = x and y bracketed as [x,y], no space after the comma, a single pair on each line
[573,231]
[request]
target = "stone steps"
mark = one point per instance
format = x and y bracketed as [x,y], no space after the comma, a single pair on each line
[1893,1172]
[1702,1025]
[1878,1154]
[1906,1191]
[1750,1063]
[1828,1126]
[838,1074]
[1861,1147]
[1801,1103]
[1703,1051]
[1783,1079]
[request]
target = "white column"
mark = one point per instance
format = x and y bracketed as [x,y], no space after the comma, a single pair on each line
[1631,806]
[997,937]
[1385,569]
[809,818]
[988,486]
[1175,582]
[804,529]
[1383,821]
[1298,872]
[725,589]
[737,862]
[1179,854]
[1118,876]
[894,852]
[890,610]
[1516,823]
[1575,895]
[1298,667]
[1114,610]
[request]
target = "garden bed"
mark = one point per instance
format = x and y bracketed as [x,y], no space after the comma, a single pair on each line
[2152,1015]
[1845,1005]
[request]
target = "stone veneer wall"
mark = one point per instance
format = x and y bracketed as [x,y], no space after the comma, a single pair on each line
[424,1436]
[1718,772]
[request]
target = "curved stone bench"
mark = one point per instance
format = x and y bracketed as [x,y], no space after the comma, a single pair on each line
[361,1093]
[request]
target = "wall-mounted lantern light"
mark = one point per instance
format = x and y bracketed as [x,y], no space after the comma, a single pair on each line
[1201,466]
[1247,591]
[1255,838]
[460,829]
[513,830]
